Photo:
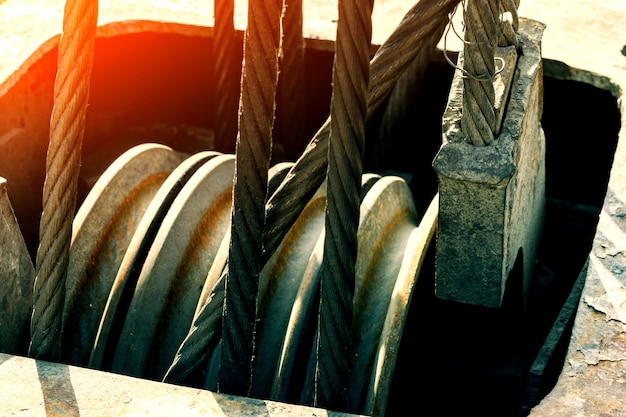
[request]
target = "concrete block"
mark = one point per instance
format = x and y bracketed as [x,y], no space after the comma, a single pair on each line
[492,197]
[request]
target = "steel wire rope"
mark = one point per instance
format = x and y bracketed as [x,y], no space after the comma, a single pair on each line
[478,119]
[252,159]
[226,97]
[510,23]
[418,32]
[67,125]
[485,28]
[291,106]
[348,112]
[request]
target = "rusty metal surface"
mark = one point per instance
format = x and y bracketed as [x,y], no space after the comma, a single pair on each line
[388,218]
[174,272]
[135,255]
[102,230]
[392,246]
[393,328]
[211,292]
[279,283]
[293,352]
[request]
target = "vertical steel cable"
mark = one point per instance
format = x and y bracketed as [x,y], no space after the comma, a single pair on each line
[67,125]
[226,76]
[258,93]
[290,107]
[345,167]
[478,120]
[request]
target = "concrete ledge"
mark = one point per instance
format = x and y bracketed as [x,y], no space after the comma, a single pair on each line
[32,23]
[38,388]
[593,379]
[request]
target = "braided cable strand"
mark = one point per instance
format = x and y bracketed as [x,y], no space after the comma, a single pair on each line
[203,337]
[478,120]
[258,91]
[291,83]
[345,168]
[510,23]
[67,124]
[225,75]
[420,29]
[416,35]
[511,6]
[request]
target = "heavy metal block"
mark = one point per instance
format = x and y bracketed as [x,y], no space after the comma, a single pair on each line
[492,197]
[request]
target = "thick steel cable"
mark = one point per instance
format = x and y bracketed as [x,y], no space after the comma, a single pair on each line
[202,339]
[417,34]
[509,23]
[258,94]
[226,97]
[420,29]
[290,108]
[478,120]
[345,168]
[67,125]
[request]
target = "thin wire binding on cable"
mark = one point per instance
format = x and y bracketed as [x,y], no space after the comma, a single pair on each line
[226,97]
[345,168]
[258,93]
[506,35]
[463,71]
[67,125]
[417,34]
[478,120]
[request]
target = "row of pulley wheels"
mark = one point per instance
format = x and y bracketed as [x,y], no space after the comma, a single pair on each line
[150,242]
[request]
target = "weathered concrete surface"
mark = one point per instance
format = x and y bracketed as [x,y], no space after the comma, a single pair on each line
[46,389]
[101,231]
[589,36]
[492,197]
[593,380]
[33,22]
